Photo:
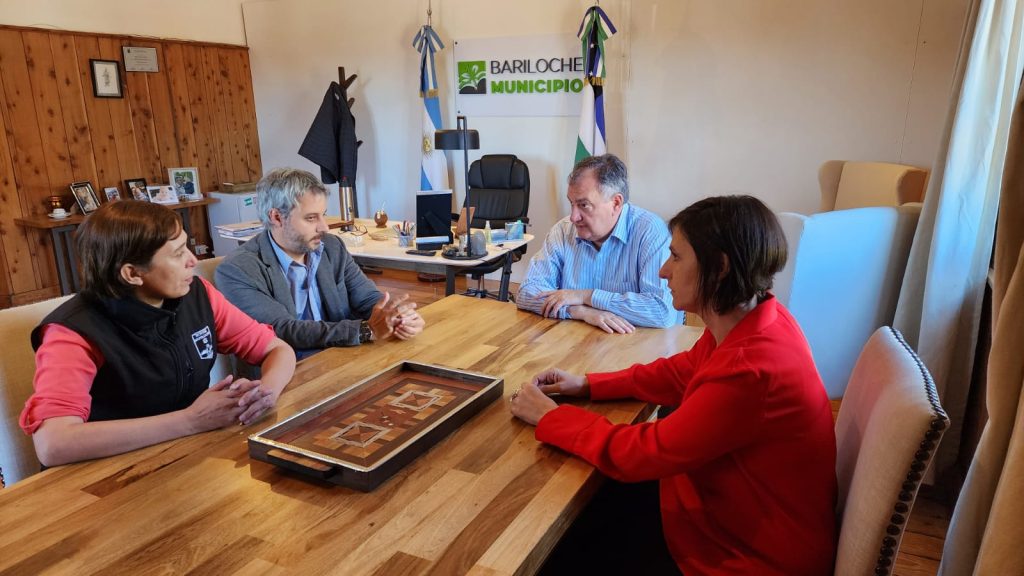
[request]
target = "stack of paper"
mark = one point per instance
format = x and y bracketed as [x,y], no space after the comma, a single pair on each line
[241,229]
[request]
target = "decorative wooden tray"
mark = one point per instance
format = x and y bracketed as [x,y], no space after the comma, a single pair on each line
[361,436]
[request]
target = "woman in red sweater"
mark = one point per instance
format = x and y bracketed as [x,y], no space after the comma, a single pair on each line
[746,462]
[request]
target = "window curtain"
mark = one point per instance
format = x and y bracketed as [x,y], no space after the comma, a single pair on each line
[940,302]
[986,533]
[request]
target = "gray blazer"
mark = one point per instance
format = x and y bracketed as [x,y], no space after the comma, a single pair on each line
[251,278]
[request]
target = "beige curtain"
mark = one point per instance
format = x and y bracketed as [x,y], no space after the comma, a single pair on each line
[939,309]
[986,535]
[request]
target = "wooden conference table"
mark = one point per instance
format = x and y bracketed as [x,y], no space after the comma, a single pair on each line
[487,500]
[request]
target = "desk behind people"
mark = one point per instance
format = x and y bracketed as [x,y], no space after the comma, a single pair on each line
[489,499]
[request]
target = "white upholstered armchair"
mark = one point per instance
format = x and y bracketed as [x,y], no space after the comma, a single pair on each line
[17,368]
[842,280]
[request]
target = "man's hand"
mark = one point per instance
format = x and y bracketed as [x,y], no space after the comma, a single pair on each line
[218,405]
[610,323]
[558,381]
[388,314]
[554,300]
[409,325]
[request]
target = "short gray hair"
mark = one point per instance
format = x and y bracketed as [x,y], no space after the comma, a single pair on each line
[609,172]
[281,188]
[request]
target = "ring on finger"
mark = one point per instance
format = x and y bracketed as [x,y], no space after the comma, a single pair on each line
[515,394]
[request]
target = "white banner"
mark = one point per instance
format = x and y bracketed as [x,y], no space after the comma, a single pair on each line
[518,76]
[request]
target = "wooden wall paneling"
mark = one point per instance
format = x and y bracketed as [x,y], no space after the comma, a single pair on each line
[244,98]
[56,155]
[49,114]
[235,135]
[202,119]
[177,76]
[215,98]
[198,110]
[81,157]
[104,145]
[128,160]
[5,277]
[16,273]
[181,102]
[142,121]
[26,151]
[163,112]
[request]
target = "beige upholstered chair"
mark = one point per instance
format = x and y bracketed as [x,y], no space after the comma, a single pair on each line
[888,427]
[17,367]
[225,364]
[859,184]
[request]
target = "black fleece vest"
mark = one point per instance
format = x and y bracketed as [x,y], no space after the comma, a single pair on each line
[156,360]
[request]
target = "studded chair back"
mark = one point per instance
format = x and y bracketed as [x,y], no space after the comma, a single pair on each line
[889,424]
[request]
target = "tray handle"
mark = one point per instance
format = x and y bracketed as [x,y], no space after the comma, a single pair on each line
[301,464]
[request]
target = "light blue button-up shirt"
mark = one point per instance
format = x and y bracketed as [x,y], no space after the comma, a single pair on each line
[623,274]
[302,281]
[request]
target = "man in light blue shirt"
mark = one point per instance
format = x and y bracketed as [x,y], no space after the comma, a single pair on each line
[600,264]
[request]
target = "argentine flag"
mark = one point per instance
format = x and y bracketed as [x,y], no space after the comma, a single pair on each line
[434,167]
[595,28]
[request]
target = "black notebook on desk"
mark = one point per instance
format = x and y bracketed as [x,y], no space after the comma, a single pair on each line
[433,219]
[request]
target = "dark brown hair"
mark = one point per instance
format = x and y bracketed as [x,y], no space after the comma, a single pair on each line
[123,232]
[749,235]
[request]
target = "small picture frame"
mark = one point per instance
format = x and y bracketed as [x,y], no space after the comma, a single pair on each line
[106,78]
[112,194]
[185,182]
[162,194]
[137,189]
[85,196]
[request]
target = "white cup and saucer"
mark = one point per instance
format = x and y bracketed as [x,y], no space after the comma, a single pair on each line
[59,214]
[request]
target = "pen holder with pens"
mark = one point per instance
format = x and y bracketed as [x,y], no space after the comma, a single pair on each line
[406,232]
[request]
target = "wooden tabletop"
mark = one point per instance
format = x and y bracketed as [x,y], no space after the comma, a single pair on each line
[44,222]
[487,500]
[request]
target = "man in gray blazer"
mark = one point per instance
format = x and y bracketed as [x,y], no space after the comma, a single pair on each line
[302,281]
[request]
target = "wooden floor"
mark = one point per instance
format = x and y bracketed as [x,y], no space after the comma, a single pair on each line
[921,549]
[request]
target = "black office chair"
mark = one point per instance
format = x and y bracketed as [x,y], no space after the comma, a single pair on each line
[499,190]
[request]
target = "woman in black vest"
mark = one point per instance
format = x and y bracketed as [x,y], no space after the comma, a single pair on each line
[126,363]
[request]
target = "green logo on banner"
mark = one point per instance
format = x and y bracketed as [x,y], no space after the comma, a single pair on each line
[473,77]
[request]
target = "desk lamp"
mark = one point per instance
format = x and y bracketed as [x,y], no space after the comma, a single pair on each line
[461,138]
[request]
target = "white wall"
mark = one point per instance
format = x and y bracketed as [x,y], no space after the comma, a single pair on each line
[703,97]
[202,20]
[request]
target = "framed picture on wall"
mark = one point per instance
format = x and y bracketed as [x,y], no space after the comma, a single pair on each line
[112,193]
[106,78]
[185,182]
[137,189]
[85,196]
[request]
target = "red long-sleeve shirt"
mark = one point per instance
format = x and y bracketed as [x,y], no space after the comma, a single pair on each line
[747,461]
[66,363]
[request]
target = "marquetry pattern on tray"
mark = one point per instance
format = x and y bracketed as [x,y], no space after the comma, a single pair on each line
[362,433]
